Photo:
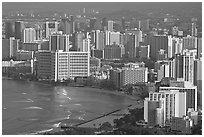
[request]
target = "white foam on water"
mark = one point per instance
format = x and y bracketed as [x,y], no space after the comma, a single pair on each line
[56,125]
[42,131]
[77,104]
[21,101]
[33,107]
[23,93]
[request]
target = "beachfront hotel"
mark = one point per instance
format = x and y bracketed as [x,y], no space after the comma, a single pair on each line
[61,65]
[173,101]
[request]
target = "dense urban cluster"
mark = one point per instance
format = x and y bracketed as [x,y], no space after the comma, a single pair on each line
[136,57]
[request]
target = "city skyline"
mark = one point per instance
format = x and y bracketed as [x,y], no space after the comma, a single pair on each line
[100,68]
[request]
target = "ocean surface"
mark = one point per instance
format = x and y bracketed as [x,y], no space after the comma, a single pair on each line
[29,107]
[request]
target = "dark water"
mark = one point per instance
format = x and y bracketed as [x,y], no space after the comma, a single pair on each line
[29,107]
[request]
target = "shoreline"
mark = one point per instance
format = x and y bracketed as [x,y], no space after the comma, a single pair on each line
[98,89]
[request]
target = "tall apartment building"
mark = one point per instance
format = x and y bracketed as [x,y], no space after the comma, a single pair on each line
[99,39]
[184,66]
[159,42]
[116,77]
[199,48]
[194,31]
[19,26]
[168,104]
[78,44]
[50,28]
[132,46]
[190,42]
[59,42]
[29,35]
[85,45]
[114,38]
[9,29]
[10,47]
[188,88]
[68,26]
[110,25]
[114,51]
[163,72]
[61,65]
[144,51]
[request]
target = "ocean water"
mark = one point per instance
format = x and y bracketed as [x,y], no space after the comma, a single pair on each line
[28,107]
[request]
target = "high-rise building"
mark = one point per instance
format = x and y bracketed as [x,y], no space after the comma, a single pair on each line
[107,37]
[19,26]
[199,48]
[144,52]
[59,42]
[123,23]
[184,67]
[9,29]
[194,31]
[79,36]
[161,106]
[110,25]
[10,47]
[163,72]
[114,37]
[114,51]
[198,78]
[184,87]
[134,75]
[159,42]
[190,42]
[39,33]
[132,46]
[59,66]
[128,75]
[50,28]
[44,64]
[67,26]
[177,46]
[99,39]
[86,45]
[116,77]
[29,35]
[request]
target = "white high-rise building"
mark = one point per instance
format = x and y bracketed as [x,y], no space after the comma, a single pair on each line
[168,104]
[86,45]
[110,25]
[59,66]
[29,35]
[188,88]
[107,37]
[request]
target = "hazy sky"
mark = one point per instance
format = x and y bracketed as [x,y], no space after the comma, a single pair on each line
[106,6]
